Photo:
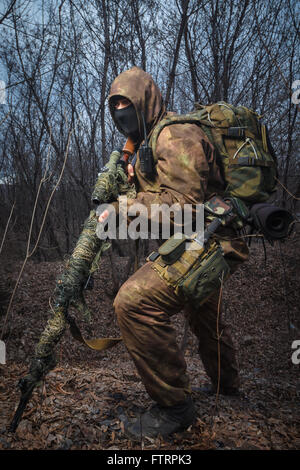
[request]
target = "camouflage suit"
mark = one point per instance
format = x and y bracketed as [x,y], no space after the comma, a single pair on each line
[186,173]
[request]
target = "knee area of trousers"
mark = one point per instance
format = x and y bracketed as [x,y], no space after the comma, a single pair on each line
[118,303]
[122,303]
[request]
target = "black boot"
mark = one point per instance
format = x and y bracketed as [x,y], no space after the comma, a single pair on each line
[162,421]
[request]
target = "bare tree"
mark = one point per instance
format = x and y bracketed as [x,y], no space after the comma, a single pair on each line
[8,11]
[61,60]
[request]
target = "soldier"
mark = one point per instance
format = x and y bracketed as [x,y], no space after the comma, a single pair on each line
[185,172]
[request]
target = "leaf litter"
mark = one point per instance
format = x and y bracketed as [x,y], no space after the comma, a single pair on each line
[84,402]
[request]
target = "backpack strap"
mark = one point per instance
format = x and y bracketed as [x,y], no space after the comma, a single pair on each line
[251,161]
[191,118]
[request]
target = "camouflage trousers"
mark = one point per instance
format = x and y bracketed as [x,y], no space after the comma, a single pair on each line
[144,306]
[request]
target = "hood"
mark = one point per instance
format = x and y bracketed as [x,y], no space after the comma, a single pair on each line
[139,87]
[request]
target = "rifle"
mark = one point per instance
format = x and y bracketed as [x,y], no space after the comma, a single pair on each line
[111,182]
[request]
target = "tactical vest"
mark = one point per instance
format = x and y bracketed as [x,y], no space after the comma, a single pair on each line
[244,153]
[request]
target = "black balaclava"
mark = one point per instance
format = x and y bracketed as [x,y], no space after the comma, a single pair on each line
[126,119]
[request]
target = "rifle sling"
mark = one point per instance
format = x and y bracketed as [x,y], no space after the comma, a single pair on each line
[98,344]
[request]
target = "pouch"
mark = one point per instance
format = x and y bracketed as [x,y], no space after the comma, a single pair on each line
[205,277]
[196,273]
[176,257]
[173,248]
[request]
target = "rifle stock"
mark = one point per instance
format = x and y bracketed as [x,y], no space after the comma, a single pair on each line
[38,369]
[26,392]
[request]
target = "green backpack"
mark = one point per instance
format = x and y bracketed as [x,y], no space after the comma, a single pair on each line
[244,153]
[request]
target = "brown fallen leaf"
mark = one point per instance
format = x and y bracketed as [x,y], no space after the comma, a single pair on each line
[29,413]
[60,390]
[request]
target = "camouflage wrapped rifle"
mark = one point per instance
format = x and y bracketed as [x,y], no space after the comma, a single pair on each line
[112,181]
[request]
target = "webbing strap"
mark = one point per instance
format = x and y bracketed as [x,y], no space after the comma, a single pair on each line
[238,132]
[251,161]
[264,137]
[98,344]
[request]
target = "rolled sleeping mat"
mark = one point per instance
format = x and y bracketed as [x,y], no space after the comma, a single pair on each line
[274,222]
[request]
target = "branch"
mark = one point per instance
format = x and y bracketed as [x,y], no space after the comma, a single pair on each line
[8,12]
[7,224]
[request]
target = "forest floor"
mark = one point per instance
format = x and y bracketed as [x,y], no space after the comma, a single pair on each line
[84,401]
